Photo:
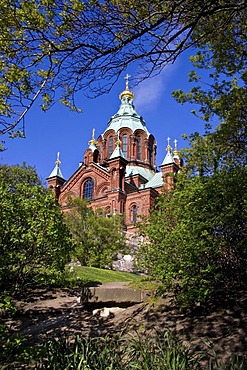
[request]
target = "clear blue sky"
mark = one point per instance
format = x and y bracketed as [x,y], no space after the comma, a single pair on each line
[69,133]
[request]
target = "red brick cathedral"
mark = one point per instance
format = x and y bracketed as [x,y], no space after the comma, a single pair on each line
[119,174]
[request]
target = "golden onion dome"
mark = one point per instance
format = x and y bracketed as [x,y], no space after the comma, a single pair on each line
[127,92]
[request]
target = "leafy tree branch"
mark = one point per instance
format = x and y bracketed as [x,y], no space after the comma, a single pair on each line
[54,49]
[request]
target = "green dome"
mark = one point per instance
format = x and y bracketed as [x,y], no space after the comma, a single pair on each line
[126,117]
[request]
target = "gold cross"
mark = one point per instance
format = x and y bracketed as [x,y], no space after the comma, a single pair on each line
[58,160]
[127,81]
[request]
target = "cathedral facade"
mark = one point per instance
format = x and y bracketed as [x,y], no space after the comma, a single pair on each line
[118,174]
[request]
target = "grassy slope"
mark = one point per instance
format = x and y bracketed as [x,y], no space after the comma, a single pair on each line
[105,276]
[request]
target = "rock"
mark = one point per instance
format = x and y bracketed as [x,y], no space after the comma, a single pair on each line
[106,311]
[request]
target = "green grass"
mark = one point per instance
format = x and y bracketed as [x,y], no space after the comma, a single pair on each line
[128,351]
[105,276]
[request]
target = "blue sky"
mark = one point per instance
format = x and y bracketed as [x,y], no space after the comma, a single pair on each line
[59,130]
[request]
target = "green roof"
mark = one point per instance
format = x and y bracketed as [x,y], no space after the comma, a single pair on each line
[126,117]
[136,170]
[155,182]
[56,172]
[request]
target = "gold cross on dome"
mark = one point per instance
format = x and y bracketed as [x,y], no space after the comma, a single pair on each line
[168,148]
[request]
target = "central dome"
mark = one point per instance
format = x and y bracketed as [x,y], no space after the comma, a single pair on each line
[137,146]
[126,116]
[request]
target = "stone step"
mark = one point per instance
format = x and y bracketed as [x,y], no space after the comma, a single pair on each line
[113,294]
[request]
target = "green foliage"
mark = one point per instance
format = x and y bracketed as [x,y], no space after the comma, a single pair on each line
[98,239]
[156,352]
[13,348]
[220,96]
[53,278]
[32,231]
[6,306]
[42,41]
[197,236]
[128,351]
[13,175]
[16,352]
[197,233]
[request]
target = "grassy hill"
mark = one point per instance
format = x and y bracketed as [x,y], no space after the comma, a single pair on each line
[93,274]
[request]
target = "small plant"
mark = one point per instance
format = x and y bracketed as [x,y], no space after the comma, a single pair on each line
[160,351]
[154,352]
[82,354]
[13,349]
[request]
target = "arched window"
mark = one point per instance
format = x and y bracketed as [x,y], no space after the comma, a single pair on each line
[110,145]
[125,145]
[134,214]
[88,189]
[138,148]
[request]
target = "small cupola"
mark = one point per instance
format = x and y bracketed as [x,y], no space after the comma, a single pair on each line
[92,153]
[56,172]
[93,143]
[169,167]
[56,179]
[117,166]
[176,155]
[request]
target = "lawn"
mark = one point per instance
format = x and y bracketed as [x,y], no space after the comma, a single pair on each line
[93,274]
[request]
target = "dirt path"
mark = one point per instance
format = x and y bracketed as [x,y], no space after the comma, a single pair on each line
[55,312]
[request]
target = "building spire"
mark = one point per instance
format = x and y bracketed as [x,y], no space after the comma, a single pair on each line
[169,156]
[93,143]
[126,93]
[168,148]
[57,171]
[58,162]
[176,151]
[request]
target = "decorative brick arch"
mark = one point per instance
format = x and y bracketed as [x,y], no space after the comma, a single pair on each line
[102,188]
[125,130]
[109,138]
